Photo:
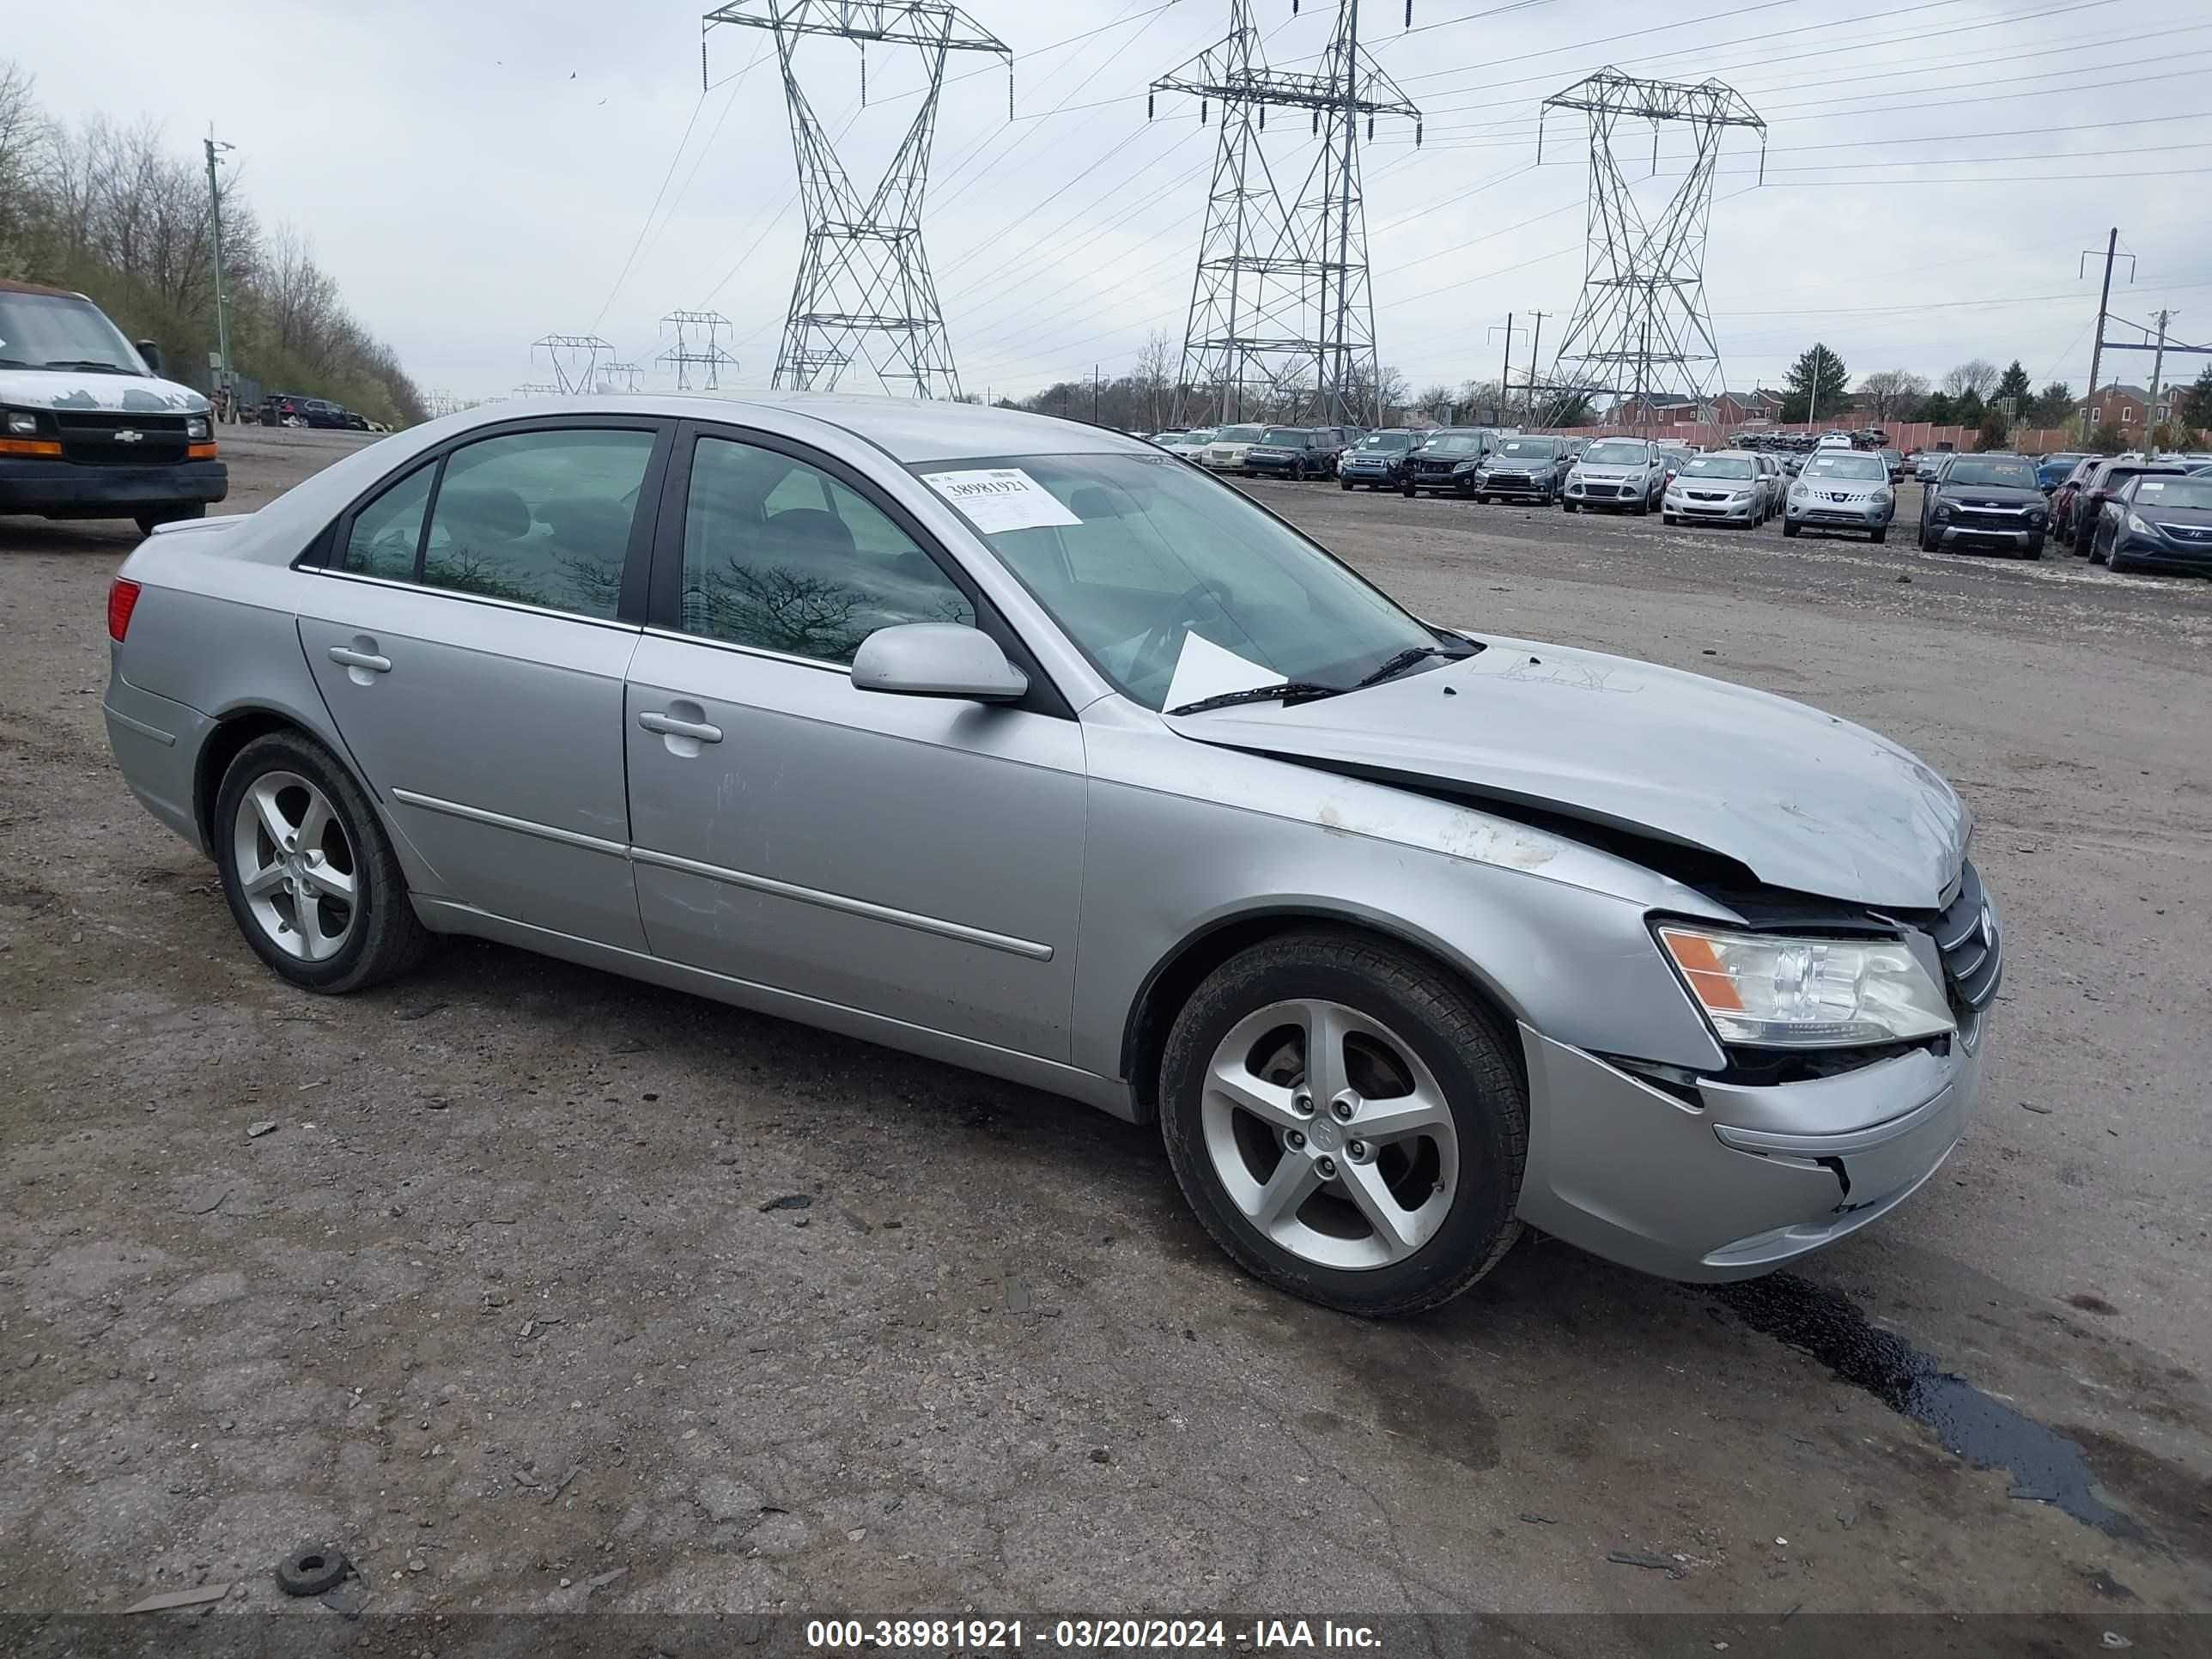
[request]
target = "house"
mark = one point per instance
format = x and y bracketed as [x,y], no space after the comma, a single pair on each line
[1659,409]
[2125,406]
[1758,407]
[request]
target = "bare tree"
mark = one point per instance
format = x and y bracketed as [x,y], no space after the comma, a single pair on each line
[1434,401]
[1154,377]
[1890,391]
[1976,374]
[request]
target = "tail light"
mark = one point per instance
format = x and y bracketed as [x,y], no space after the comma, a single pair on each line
[122,600]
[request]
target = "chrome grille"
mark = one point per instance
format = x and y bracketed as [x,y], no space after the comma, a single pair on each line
[1973,953]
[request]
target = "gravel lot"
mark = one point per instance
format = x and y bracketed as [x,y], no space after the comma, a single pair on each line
[498,1307]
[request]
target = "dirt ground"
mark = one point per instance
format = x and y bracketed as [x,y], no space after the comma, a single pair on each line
[504,1308]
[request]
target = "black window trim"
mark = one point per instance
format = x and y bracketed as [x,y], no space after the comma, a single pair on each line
[663,610]
[326,551]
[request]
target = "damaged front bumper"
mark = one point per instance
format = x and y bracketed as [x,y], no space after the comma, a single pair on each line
[1746,1178]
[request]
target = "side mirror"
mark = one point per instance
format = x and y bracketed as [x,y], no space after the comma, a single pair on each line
[151,353]
[937,659]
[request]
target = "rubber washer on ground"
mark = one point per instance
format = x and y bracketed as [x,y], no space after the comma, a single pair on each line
[310,1570]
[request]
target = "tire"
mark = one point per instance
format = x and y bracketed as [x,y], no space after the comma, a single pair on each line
[1642,506]
[382,938]
[1668,519]
[1481,499]
[1920,535]
[1790,530]
[1429,1015]
[146,522]
[1568,506]
[1878,537]
[2034,548]
[2112,560]
[1411,492]
[1347,484]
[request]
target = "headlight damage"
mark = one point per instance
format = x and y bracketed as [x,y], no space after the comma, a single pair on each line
[1773,991]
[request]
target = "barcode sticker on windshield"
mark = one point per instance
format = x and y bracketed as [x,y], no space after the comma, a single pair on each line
[1000,498]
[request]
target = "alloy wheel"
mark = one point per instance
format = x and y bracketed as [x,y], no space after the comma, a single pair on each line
[1329,1134]
[295,866]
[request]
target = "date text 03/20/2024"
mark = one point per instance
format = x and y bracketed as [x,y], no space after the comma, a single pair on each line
[1268,1635]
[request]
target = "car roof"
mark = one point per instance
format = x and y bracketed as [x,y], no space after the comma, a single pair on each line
[906,429]
[41,289]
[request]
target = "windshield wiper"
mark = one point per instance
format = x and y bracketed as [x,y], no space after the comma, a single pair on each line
[86,362]
[1404,660]
[1287,691]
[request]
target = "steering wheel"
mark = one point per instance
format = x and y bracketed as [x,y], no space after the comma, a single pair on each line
[1153,658]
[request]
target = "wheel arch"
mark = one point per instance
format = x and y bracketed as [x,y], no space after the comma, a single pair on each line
[1169,986]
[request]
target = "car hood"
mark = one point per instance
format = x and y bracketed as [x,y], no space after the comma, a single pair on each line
[1805,800]
[1997,494]
[72,388]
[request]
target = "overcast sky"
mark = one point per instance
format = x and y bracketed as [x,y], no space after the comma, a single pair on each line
[476,175]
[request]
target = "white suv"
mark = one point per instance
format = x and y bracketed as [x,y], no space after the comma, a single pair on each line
[1230,446]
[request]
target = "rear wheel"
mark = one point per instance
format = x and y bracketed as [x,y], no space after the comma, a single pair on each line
[311,877]
[1346,1122]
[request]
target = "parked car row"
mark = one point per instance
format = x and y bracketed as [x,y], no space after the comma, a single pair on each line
[2122,511]
[291,409]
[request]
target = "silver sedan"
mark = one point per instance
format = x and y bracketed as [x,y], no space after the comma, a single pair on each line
[1023,745]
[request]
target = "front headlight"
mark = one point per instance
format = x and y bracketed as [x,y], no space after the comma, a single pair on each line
[22,423]
[2136,525]
[1797,492]
[1468,466]
[1942,514]
[195,428]
[1778,992]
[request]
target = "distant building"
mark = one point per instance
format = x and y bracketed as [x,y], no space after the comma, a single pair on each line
[2128,407]
[1754,407]
[1660,408]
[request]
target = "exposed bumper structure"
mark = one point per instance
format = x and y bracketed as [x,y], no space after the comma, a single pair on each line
[1749,1179]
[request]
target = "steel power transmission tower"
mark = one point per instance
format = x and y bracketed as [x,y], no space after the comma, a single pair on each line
[1641,326]
[574,358]
[1281,287]
[864,286]
[688,353]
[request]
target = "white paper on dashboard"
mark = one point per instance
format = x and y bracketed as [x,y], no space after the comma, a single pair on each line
[1001,498]
[1206,669]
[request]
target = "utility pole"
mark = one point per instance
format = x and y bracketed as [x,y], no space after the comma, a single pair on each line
[1536,340]
[221,311]
[2157,366]
[1094,394]
[1504,374]
[2104,305]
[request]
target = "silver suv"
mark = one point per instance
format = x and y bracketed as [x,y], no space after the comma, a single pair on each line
[1617,475]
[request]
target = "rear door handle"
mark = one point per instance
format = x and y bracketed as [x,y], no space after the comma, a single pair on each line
[669,726]
[346,657]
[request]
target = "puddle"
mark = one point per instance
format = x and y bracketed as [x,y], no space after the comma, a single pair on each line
[2045,1466]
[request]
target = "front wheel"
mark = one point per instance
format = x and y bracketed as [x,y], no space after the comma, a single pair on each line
[1347,484]
[1791,528]
[1668,519]
[311,880]
[1567,506]
[1878,537]
[147,521]
[1347,1122]
[1410,492]
[2034,548]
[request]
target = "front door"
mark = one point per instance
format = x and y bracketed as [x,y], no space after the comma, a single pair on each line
[469,645]
[916,858]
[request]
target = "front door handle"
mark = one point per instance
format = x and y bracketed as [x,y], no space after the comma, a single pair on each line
[347,657]
[669,726]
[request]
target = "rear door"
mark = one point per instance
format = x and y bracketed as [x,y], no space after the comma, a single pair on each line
[470,639]
[916,858]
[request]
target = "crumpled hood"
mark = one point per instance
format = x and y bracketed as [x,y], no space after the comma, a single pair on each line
[1806,800]
[75,388]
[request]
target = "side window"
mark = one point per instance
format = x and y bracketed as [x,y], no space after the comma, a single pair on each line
[385,533]
[780,556]
[540,518]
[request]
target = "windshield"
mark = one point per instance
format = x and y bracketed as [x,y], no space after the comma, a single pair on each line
[1846,464]
[1529,449]
[1720,466]
[1293,437]
[1237,434]
[1135,556]
[2191,492]
[1456,443]
[1616,452]
[1205,437]
[2012,475]
[49,331]
[1390,441]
